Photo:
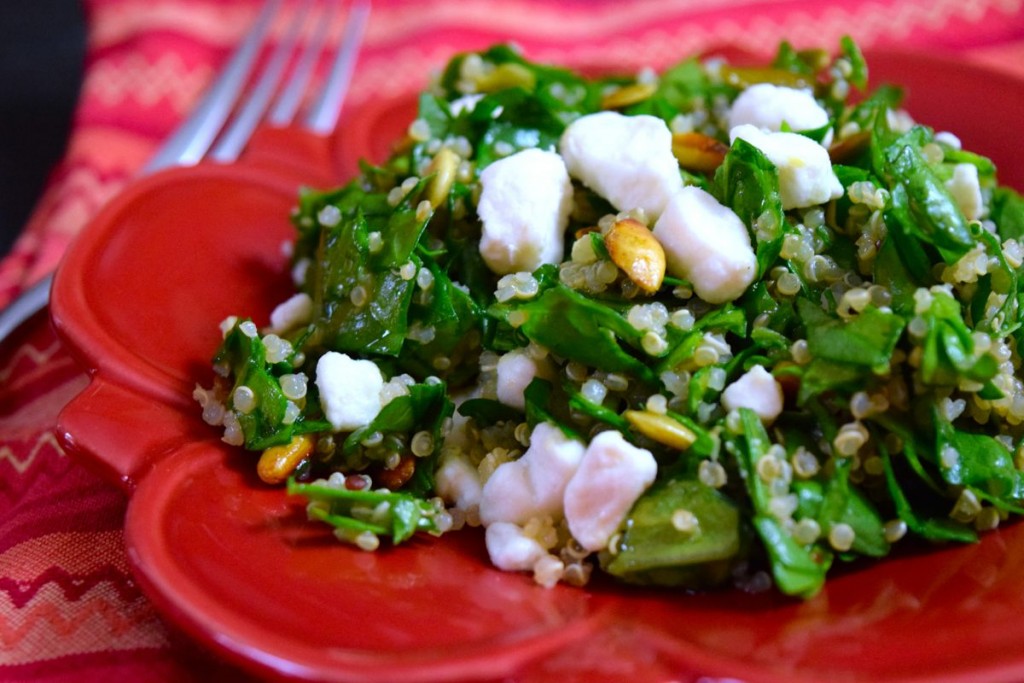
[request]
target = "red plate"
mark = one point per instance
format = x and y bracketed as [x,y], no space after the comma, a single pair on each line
[236,565]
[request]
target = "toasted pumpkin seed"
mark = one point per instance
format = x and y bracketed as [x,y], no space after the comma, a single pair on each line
[744,77]
[504,76]
[444,168]
[698,152]
[634,249]
[661,428]
[627,95]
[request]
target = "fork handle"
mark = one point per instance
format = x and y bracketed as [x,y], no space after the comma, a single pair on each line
[27,304]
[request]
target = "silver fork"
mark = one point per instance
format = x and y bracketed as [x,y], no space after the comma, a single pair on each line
[209,134]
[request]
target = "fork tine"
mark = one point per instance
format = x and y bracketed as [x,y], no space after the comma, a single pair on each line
[193,139]
[289,100]
[231,144]
[323,117]
[190,143]
[185,147]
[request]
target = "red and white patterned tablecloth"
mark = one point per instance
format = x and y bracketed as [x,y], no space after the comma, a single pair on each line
[69,608]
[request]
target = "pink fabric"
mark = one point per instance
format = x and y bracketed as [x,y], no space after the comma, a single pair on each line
[69,608]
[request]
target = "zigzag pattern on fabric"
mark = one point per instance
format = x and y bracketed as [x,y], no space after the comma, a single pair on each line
[631,40]
[73,586]
[215,24]
[79,191]
[21,464]
[55,602]
[27,359]
[135,79]
[51,626]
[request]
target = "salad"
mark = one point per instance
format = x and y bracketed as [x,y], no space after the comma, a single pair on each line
[721,325]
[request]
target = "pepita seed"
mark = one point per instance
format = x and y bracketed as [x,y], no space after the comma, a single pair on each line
[444,168]
[627,95]
[634,249]
[698,152]
[661,428]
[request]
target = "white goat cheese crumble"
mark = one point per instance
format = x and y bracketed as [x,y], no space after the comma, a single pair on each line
[516,369]
[534,485]
[510,549]
[611,476]
[290,313]
[349,390]
[457,480]
[966,190]
[769,107]
[466,103]
[525,202]
[707,244]
[627,160]
[806,177]
[944,137]
[757,390]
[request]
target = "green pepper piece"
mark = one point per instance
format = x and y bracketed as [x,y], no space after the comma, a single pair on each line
[654,551]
